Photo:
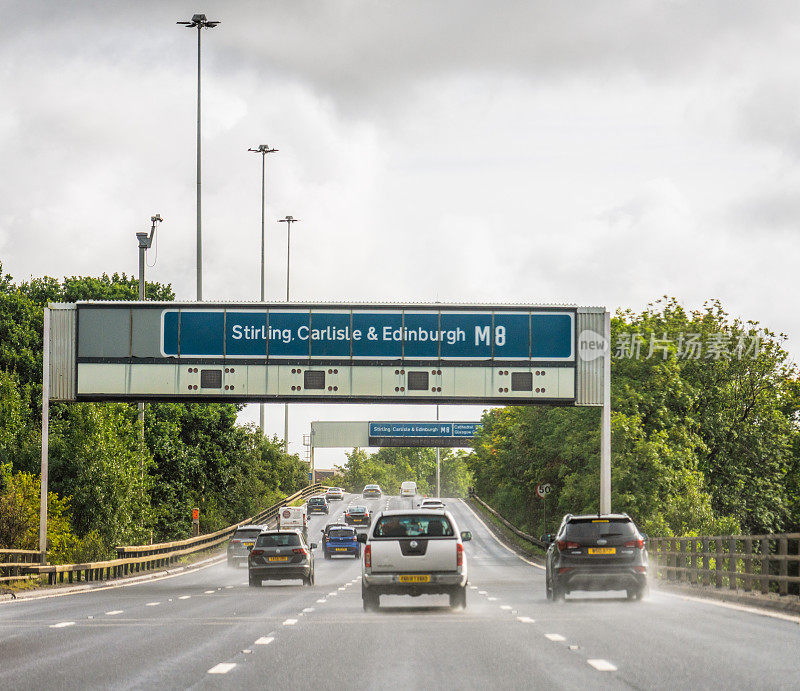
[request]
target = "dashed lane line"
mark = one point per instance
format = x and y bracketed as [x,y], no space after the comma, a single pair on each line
[264,640]
[62,624]
[492,599]
[506,607]
[322,601]
[184,597]
[152,604]
[222,668]
[481,592]
[209,592]
[556,637]
[290,622]
[308,609]
[526,620]
[602,665]
[114,612]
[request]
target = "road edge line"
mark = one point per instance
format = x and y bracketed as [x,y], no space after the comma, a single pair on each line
[498,540]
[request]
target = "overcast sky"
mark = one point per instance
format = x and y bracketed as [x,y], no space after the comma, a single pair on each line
[571,152]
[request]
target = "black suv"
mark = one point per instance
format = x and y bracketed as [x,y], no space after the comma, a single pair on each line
[596,552]
[317,505]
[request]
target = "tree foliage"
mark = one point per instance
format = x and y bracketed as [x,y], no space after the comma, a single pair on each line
[109,487]
[704,444]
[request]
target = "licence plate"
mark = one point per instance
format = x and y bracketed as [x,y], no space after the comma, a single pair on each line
[415,578]
[279,558]
[248,544]
[602,550]
[340,549]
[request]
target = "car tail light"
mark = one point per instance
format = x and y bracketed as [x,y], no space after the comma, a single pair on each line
[640,569]
[565,544]
[639,543]
[368,556]
[459,554]
[299,550]
[565,569]
[256,552]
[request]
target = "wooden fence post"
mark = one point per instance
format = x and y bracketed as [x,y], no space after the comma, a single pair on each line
[706,563]
[783,565]
[748,565]
[718,561]
[732,563]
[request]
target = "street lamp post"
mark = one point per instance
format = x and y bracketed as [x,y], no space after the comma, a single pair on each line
[288,221]
[145,242]
[199,22]
[263,149]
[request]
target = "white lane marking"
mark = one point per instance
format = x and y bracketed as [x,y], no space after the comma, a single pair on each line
[481,592]
[152,604]
[228,586]
[473,587]
[526,620]
[264,640]
[499,541]
[554,637]
[602,665]
[184,597]
[290,622]
[222,668]
[505,606]
[209,592]
[331,594]
[308,609]
[114,612]
[573,647]
[170,600]
[62,624]
[91,616]
[492,599]
[322,601]
[342,588]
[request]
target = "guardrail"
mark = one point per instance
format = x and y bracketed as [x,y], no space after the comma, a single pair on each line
[14,561]
[136,558]
[519,533]
[762,563]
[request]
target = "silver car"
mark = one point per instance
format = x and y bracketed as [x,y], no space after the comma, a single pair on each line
[281,554]
[241,542]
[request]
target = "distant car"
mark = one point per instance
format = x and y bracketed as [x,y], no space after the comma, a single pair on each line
[596,552]
[408,489]
[327,529]
[317,505]
[431,504]
[357,515]
[281,554]
[336,493]
[341,540]
[371,491]
[241,542]
[414,553]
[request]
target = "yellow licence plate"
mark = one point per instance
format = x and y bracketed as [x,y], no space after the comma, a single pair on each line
[415,578]
[602,550]
[279,558]
[248,544]
[340,549]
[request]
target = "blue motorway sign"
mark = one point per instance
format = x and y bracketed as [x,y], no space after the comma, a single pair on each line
[423,429]
[369,334]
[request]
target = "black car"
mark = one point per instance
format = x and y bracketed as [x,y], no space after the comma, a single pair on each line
[357,515]
[317,505]
[596,552]
[281,554]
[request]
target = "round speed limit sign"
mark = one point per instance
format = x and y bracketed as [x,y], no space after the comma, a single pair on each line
[287,514]
[543,490]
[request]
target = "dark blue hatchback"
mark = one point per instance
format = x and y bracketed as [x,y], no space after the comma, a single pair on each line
[341,541]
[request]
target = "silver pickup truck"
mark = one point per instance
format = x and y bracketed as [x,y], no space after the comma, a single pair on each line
[414,552]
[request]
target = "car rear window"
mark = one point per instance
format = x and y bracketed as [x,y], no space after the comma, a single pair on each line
[341,532]
[279,540]
[588,528]
[413,525]
[357,509]
[316,500]
[247,534]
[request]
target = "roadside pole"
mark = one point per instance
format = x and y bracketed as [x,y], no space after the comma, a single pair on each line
[605,421]
[438,465]
[45,434]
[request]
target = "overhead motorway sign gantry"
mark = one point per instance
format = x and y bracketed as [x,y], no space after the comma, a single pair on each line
[428,434]
[248,352]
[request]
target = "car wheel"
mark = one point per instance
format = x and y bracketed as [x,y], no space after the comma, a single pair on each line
[557,591]
[548,590]
[458,598]
[254,582]
[370,600]
[327,554]
[358,554]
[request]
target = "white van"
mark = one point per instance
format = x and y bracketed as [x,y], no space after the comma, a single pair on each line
[408,489]
[293,518]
